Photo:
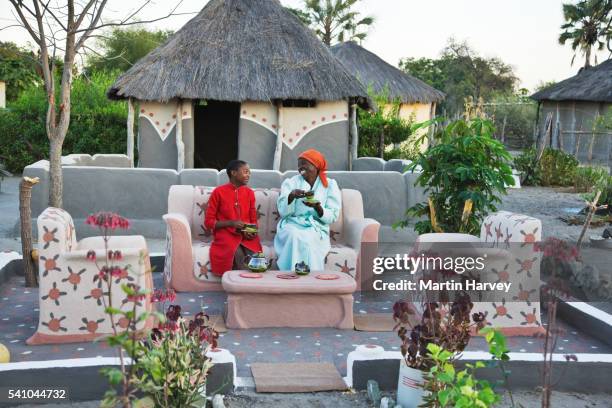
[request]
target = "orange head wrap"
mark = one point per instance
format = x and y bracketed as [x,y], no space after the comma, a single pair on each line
[317,160]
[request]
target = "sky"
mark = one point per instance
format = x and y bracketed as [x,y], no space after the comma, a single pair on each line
[523,33]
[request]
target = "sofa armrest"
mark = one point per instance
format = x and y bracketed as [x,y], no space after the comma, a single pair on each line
[360,230]
[179,227]
[179,253]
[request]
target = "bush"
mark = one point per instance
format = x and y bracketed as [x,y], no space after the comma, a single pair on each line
[525,163]
[557,168]
[588,178]
[466,163]
[97,125]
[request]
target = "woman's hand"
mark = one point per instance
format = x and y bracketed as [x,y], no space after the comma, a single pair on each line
[249,235]
[297,193]
[316,206]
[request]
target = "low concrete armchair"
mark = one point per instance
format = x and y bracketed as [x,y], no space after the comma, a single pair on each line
[509,240]
[71,296]
[187,265]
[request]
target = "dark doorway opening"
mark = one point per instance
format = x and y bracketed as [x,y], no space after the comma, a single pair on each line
[215,134]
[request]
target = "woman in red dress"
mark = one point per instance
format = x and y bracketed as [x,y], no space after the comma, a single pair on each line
[230,207]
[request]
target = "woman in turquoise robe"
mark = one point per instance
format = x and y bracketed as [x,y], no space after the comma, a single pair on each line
[302,234]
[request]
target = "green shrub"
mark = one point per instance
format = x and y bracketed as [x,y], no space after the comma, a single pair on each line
[466,163]
[588,178]
[557,168]
[97,125]
[526,165]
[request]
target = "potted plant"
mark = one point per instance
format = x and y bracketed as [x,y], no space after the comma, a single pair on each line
[447,325]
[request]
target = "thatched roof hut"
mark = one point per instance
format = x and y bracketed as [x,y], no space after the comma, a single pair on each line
[250,81]
[373,71]
[569,112]
[240,50]
[592,84]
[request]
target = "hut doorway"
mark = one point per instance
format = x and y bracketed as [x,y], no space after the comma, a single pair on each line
[215,134]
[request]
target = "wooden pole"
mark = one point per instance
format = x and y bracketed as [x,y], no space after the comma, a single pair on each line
[130,131]
[180,146]
[354,135]
[592,209]
[432,127]
[25,215]
[503,132]
[278,150]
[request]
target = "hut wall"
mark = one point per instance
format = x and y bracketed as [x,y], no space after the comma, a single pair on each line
[157,135]
[324,127]
[257,134]
[572,126]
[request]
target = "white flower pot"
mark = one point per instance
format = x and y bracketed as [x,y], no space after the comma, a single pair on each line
[410,390]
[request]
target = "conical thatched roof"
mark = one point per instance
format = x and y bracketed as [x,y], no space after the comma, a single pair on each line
[592,84]
[240,50]
[372,71]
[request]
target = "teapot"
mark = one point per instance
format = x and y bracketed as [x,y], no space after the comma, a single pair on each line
[257,262]
[301,268]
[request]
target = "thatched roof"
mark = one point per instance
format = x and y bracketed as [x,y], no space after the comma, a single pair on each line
[372,71]
[592,84]
[240,50]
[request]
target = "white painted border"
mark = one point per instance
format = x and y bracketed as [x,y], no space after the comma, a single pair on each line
[8,257]
[592,311]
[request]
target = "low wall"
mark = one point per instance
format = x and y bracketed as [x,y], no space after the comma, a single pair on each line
[378,164]
[141,194]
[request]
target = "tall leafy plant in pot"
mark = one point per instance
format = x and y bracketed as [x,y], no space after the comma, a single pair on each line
[466,164]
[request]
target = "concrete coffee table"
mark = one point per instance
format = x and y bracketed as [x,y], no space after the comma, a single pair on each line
[270,301]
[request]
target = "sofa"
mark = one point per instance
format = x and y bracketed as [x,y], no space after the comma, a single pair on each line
[187,262]
[71,295]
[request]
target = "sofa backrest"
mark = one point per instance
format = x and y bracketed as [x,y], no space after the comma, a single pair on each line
[191,201]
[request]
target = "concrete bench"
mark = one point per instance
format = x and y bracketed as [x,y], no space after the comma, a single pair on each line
[270,301]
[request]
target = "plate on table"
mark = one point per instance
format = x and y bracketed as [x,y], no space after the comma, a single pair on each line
[327,276]
[287,276]
[251,275]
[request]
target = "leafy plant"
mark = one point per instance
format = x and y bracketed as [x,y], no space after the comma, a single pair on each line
[526,164]
[557,168]
[451,388]
[466,163]
[588,178]
[444,324]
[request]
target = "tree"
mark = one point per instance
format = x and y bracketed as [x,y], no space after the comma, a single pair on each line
[335,21]
[587,26]
[302,15]
[122,47]
[17,68]
[460,72]
[65,29]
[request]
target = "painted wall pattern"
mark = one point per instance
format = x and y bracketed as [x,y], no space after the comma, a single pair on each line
[162,116]
[297,122]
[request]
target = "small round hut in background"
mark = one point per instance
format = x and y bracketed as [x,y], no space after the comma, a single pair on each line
[417,99]
[249,81]
[570,113]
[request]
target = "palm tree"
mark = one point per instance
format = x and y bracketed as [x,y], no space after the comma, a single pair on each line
[333,20]
[587,25]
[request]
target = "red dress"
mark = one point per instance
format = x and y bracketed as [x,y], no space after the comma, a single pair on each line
[228,202]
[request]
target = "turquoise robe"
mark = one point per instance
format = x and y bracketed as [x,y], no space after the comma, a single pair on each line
[301,234]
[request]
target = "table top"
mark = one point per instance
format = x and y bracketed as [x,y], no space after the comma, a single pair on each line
[270,283]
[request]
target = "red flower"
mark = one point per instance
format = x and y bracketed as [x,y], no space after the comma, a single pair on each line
[91,255]
[108,220]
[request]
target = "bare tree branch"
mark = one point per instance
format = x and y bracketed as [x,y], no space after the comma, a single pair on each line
[24,20]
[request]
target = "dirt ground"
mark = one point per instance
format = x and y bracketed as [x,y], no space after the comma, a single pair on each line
[249,399]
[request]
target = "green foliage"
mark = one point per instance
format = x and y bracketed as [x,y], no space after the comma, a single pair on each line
[122,47]
[460,72]
[336,21]
[466,163]
[587,26]
[557,168]
[97,125]
[451,388]
[588,178]
[18,68]
[525,163]
[515,116]
[385,121]
[303,16]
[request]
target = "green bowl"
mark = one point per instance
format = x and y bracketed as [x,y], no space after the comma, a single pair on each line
[302,273]
[311,200]
[250,230]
